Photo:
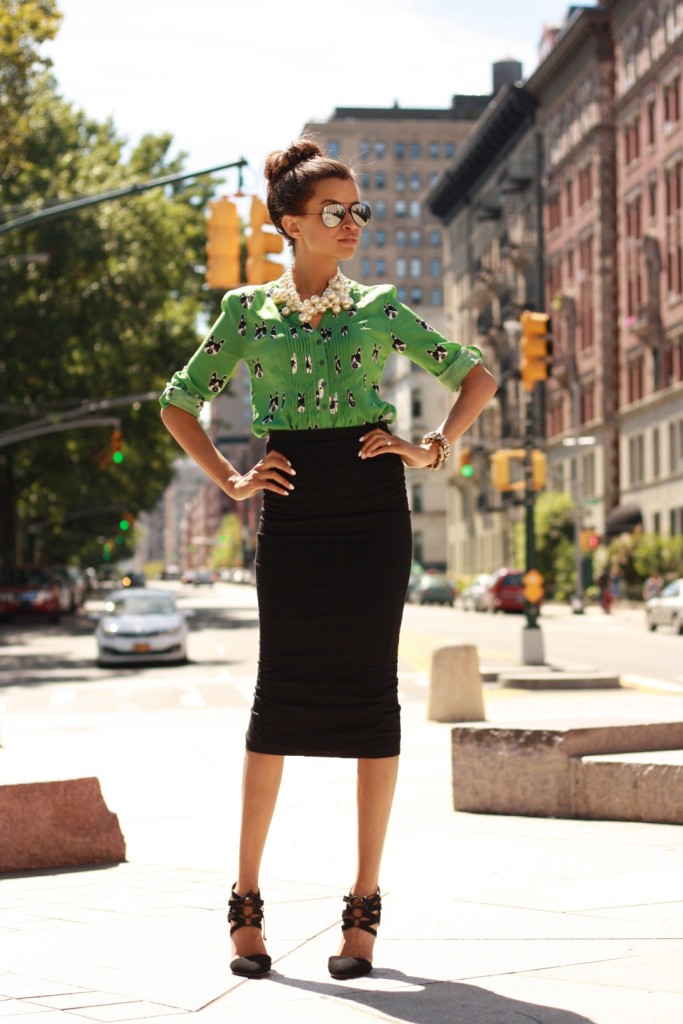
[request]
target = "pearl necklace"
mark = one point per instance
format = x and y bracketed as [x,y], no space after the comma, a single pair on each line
[335,297]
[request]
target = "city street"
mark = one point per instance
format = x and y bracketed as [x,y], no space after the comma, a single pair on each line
[51,668]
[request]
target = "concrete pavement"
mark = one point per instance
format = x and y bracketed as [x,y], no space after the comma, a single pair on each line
[486,918]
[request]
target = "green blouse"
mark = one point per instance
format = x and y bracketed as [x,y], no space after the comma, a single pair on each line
[306,377]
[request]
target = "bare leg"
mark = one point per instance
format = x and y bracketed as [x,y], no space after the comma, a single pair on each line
[376,786]
[260,788]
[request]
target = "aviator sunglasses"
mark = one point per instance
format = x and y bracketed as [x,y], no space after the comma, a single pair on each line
[333,214]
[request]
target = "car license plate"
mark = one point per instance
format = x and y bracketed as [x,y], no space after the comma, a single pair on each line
[141,648]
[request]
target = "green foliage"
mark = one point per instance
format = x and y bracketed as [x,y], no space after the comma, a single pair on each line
[638,555]
[228,550]
[554,532]
[108,307]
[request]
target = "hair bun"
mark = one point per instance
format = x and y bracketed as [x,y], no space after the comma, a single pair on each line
[282,160]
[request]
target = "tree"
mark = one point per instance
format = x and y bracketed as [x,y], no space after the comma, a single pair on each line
[554,532]
[108,307]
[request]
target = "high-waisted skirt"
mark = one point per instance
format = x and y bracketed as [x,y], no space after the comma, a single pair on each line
[332,567]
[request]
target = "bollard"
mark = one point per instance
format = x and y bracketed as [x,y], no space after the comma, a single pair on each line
[455,692]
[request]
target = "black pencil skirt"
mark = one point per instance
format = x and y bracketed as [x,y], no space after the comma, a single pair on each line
[332,567]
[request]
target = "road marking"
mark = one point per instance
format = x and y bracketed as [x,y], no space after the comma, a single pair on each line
[647,683]
[64,695]
[192,698]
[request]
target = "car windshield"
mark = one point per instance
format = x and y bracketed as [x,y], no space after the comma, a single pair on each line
[512,579]
[141,604]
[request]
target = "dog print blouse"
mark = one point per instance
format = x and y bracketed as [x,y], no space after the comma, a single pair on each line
[303,377]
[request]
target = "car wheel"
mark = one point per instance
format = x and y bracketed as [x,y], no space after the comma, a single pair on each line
[677,625]
[651,624]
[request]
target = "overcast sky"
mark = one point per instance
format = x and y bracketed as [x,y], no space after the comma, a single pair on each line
[239,79]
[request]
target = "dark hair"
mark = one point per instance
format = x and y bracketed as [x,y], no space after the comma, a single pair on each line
[292,175]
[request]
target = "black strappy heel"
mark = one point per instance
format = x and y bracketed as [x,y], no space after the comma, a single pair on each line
[244,912]
[361,912]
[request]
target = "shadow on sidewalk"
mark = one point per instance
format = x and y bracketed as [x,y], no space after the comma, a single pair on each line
[428,1000]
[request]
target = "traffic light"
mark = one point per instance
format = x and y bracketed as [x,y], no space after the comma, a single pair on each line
[116,453]
[465,462]
[260,242]
[535,346]
[533,586]
[126,522]
[222,245]
[501,471]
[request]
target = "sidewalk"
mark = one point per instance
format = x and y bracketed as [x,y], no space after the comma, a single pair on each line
[487,919]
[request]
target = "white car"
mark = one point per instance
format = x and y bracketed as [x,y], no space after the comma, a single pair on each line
[667,608]
[141,625]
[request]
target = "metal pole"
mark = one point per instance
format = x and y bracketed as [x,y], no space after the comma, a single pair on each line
[577,602]
[530,536]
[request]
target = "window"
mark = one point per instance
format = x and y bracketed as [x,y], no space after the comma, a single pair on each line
[417,502]
[415,239]
[449,150]
[364,147]
[416,267]
[652,198]
[401,267]
[636,459]
[400,208]
[586,310]
[588,475]
[418,547]
[569,197]
[553,212]
[636,378]
[435,238]
[651,122]
[365,239]
[402,293]
[415,150]
[415,295]
[400,181]
[656,454]
[380,149]
[365,181]
[365,267]
[399,150]
[632,141]
[434,150]
[672,103]
[435,268]
[415,207]
[634,281]
[416,404]
[380,238]
[585,184]
[415,182]
[379,209]
[401,237]
[587,403]
[380,179]
[569,261]
[434,176]
[381,268]
[436,297]
[333,149]
[657,522]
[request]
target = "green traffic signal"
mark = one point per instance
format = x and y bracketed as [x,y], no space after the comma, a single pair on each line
[124,525]
[467,470]
[117,457]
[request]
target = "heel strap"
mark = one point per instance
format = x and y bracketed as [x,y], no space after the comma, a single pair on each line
[362,912]
[245,911]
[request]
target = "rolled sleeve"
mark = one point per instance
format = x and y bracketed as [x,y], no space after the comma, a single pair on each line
[211,367]
[412,337]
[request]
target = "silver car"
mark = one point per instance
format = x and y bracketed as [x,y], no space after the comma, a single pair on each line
[140,625]
[667,608]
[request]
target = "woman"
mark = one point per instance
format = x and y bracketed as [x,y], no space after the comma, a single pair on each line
[334,543]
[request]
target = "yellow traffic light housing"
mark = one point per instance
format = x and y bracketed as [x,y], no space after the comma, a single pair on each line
[465,466]
[533,586]
[223,245]
[501,473]
[260,242]
[116,453]
[534,348]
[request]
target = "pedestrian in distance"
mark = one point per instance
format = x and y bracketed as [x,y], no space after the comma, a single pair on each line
[334,541]
[652,586]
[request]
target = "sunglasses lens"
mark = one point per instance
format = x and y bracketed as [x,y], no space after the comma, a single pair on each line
[333,215]
[361,213]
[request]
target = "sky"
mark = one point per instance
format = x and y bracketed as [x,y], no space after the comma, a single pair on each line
[238,79]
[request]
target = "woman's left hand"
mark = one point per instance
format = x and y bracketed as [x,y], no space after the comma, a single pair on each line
[379,442]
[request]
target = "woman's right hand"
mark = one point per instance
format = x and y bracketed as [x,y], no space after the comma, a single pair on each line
[271,473]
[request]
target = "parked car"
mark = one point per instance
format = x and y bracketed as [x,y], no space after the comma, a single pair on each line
[505,591]
[435,588]
[666,609]
[75,585]
[473,597]
[32,591]
[141,625]
[205,578]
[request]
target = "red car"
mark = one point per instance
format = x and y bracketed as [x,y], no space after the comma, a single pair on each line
[505,591]
[30,591]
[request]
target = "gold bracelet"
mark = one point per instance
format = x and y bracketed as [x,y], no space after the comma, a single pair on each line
[443,445]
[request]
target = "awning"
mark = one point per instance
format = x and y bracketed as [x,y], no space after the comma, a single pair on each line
[623,519]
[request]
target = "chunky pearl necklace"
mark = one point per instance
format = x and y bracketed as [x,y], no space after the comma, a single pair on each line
[335,297]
